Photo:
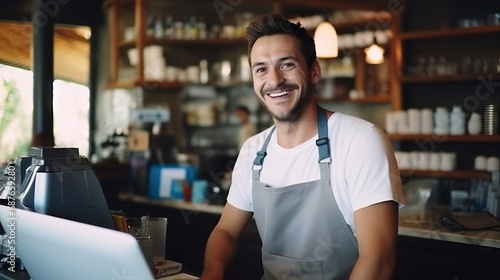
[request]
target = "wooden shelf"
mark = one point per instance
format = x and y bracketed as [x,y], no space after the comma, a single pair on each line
[446,138]
[376,99]
[371,99]
[450,32]
[351,25]
[151,85]
[455,174]
[195,43]
[173,85]
[448,78]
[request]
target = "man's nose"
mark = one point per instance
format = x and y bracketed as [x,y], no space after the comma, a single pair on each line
[275,77]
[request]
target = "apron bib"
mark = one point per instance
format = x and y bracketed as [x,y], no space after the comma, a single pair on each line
[304,235]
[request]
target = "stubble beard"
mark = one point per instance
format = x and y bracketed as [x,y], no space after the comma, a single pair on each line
[297,111]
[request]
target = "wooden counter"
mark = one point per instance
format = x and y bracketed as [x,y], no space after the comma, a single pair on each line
[424,251]
[176,204]
[486,238]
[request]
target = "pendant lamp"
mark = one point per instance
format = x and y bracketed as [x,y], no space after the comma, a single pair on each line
[374,54]
[326,41]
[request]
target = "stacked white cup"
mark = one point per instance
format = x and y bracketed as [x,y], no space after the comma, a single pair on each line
[441,121]
[427,123]
[419,160]
[457,121]
[414,121]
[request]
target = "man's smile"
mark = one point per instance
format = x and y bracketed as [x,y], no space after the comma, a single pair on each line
[279,93]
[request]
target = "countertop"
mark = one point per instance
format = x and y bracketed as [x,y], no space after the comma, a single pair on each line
[179,204]
[486,238]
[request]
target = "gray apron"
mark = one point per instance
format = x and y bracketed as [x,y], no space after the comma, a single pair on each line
[304,235]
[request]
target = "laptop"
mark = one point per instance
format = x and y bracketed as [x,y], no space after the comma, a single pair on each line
[55,248]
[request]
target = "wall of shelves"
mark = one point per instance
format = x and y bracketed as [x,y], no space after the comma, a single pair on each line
[434,70]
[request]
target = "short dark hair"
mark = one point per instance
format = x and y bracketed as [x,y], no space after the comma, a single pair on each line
[243,108]
[274,24]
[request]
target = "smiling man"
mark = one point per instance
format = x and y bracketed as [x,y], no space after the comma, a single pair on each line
[323,187]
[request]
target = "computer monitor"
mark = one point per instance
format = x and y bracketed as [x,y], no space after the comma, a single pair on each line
[55,248]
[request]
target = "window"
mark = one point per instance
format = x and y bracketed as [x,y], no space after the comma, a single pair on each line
[71,113]
[71,96]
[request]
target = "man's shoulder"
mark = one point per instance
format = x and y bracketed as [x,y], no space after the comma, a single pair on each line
[349,121]
[255,142]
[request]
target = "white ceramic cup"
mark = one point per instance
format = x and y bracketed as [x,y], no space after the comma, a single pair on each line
[492,164]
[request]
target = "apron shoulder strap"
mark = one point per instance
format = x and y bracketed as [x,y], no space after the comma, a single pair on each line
[259,158]
[323,142]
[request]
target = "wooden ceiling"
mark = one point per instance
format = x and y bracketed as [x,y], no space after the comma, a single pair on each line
[71,50]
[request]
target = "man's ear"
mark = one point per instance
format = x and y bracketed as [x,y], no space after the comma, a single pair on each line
[315,72]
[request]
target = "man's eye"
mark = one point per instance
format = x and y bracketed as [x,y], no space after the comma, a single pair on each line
[259,70]
[287,66]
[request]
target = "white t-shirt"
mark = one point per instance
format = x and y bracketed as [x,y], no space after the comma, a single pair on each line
[363,169]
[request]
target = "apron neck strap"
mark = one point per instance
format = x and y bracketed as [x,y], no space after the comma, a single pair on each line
[322,142]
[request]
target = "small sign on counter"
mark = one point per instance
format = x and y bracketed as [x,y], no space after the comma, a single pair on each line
[163,176]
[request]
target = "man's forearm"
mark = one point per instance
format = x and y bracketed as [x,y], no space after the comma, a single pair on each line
[219,252]
[373,268]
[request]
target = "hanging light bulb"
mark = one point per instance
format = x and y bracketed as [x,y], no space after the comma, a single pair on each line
[326,41]
[374,54]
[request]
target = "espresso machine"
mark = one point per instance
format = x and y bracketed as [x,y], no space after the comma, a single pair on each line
[59,182]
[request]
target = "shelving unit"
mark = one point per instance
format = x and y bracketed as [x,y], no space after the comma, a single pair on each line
[447,138]
[451,32]
[455,174]
[429,89]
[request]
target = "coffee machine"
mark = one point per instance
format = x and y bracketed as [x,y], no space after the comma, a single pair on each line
[59,182]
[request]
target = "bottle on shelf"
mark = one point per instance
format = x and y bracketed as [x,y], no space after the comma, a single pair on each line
[168,27]
[150,26]
[193,27]
[202,28]
[178,28]
[158,29]
[203,71]
[186,33]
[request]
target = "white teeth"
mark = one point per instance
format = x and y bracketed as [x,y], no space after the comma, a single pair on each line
[278,94]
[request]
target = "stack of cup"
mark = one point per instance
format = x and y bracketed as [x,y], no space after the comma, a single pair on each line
[490,119]
[413,121]
[391,123]
[457,121]
[441,121]
[426,122]
[447,161]
[474,124]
